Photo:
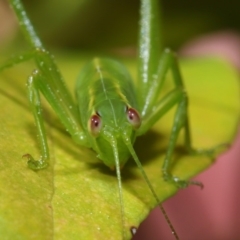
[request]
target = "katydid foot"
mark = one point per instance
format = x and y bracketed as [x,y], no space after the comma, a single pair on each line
[179,182]
[35,164]
[211,153]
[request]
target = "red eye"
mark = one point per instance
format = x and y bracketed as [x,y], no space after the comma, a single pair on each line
[95,124]
[133,117]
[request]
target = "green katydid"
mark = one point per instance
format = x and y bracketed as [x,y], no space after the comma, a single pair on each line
[111,112]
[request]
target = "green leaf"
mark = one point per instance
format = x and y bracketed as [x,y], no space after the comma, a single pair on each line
[77,197]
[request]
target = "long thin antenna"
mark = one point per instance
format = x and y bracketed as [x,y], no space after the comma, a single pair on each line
[113,143]
[131,150]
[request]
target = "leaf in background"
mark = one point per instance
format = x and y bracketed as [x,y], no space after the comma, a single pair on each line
[77,196]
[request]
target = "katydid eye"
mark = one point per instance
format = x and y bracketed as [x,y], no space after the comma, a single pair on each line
[95,124]
[133,117]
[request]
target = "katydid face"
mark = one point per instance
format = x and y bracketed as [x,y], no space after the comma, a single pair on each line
[108,110]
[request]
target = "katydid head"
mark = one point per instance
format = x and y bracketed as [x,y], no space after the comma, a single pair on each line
[108,127]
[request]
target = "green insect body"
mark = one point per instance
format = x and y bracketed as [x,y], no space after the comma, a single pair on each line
[111,112]
[106,92]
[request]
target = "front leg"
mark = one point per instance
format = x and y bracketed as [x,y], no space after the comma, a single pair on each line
[177,96]
[38,83]
[35,103]
[180,121]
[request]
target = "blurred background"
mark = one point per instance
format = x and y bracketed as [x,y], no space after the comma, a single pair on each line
[107,24]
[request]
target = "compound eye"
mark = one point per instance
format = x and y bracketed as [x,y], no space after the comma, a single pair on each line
[95,124]
[133,117]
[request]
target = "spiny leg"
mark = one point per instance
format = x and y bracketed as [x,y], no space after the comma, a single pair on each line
[177,96]
[38,82]
[152,71]
[43,59]
[17,59]
[48,80]
[35,103]
[179,122]
[149,48]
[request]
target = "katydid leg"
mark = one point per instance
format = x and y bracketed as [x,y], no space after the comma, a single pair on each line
[38,83]
[163,106]
[180,121]
[53,94]
[17,59]
[149,47]
[176,96]
[166,62]
[35,103]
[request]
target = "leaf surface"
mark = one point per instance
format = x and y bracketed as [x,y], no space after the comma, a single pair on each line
[77,197]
